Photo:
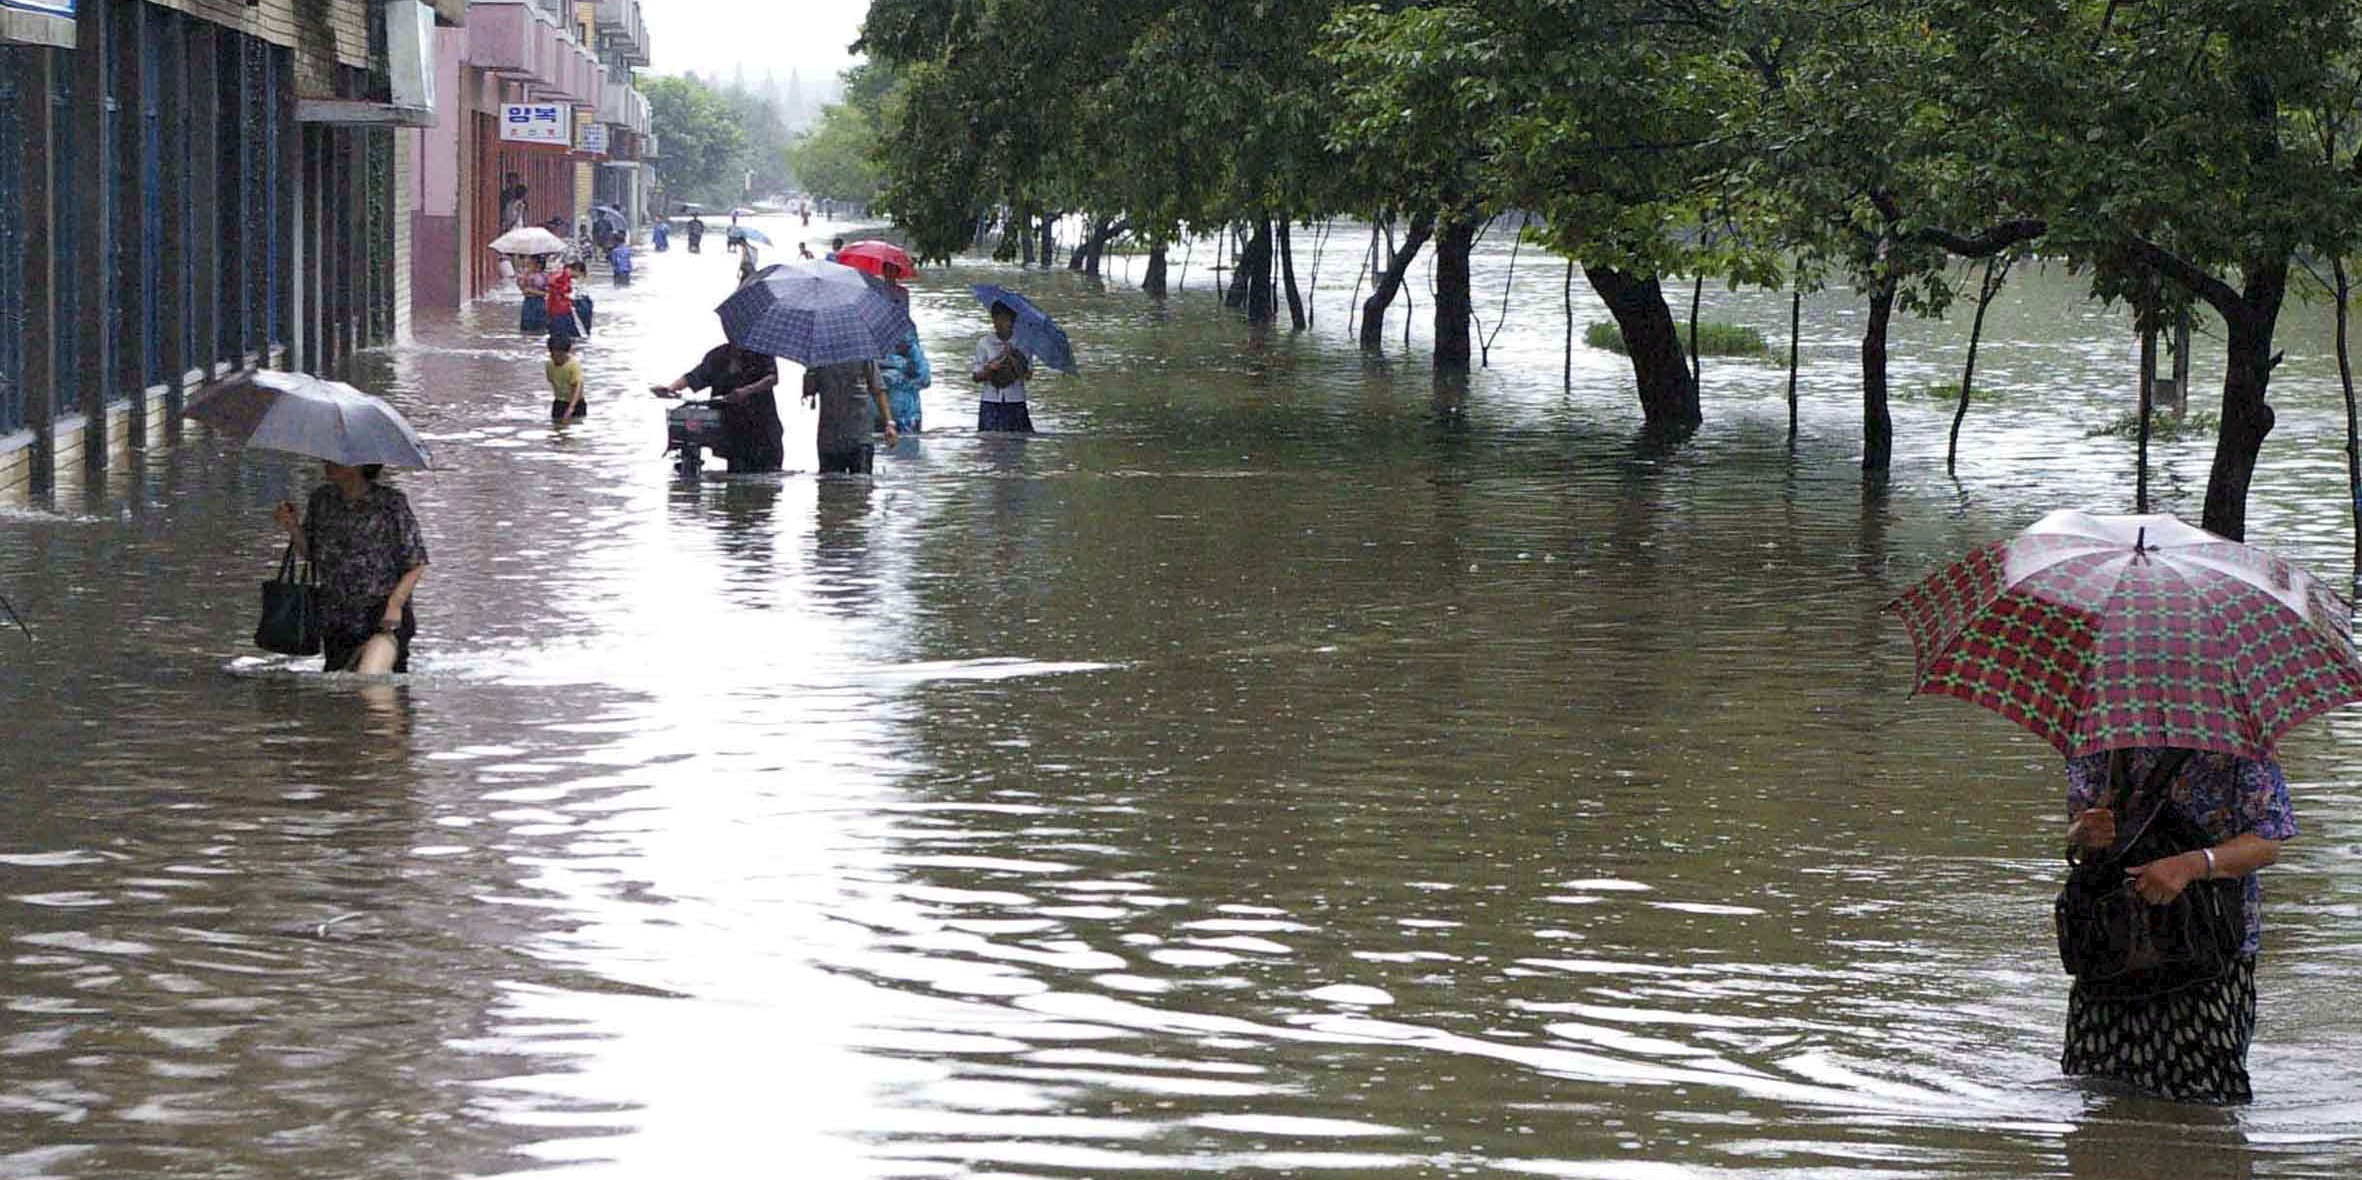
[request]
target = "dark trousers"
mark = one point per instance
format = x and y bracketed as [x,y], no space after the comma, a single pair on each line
[757,439]
[857,461]
[342,639]
[1005,417]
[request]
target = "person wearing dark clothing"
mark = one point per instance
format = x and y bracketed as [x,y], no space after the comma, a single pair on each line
[851,400]
[364,543]
[696,233]
[742,383]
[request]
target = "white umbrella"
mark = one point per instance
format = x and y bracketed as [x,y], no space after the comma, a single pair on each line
[306,415]
[531,239]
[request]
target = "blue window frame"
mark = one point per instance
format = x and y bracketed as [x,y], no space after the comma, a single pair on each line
[152,23]
[12,243]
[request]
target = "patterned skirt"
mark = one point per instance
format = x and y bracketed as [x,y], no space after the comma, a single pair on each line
[2188,1045]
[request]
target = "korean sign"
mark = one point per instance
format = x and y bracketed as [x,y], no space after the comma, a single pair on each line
[537,122]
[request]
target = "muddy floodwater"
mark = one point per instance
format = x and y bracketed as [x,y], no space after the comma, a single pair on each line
[1280,766]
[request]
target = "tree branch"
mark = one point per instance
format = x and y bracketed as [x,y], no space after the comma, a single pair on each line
[1992,241]
[2192,278]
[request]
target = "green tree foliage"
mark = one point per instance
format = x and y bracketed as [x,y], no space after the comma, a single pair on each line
[838,158]
[2177,151]
[701,138]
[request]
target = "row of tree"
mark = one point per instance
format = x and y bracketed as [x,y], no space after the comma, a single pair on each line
[721,144]
[2178,152]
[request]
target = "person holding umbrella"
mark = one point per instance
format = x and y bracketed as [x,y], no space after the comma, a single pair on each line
[363,540]
[1000,370]
[359,534]
[836,322]
[2164,662]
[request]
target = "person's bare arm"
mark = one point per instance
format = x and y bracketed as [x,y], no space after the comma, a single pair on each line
[400,598]
[877,396]
[289,518]
[2162,880]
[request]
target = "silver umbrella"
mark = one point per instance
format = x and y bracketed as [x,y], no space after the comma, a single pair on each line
[307,415]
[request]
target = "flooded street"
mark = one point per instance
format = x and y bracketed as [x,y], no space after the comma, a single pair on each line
[1281,766]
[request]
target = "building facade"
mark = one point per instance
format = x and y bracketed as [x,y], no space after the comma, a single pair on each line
[538,91]
[190,190]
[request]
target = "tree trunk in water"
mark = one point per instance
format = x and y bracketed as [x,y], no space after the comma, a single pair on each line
[1237,295]
[2345,376]
[1287,270]
[1668,391]
[1452,311]
[1566,296]
[1254,268]
[1878,428]
[1023,228]
[1697,295]
[1049,253]
[1373,309]
[1795,324]
[1153,282]
[1995,271]
[2247,417]
[2148,404]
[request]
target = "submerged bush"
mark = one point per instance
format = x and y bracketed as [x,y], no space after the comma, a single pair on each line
[2162,426]
[1713,339]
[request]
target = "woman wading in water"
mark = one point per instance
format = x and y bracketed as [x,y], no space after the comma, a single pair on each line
[362,539]
[2190,1043]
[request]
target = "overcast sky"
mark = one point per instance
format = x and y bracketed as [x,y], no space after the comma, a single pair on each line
[713,36]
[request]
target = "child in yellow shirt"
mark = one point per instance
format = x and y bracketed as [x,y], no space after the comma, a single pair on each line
[564,371]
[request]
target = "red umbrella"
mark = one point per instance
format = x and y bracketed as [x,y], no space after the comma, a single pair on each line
[2104,632]
[883,259]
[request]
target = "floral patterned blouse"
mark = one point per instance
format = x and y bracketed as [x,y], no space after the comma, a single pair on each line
[2228,796]
[360,548]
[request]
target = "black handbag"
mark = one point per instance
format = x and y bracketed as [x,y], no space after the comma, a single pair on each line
[2110,937]
[290,622]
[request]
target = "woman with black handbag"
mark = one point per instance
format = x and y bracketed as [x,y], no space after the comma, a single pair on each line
[2179,1032]
[363,541]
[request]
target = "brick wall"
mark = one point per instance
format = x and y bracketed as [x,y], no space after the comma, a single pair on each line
[324,33]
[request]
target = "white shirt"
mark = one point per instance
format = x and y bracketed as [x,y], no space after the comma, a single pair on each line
[988,347]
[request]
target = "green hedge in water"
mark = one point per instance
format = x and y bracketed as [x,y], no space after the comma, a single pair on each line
[1713,339]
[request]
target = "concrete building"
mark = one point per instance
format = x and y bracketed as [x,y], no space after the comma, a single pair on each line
[191,189]
[531,85]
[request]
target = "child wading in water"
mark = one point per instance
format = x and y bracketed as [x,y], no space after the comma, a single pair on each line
[565,381]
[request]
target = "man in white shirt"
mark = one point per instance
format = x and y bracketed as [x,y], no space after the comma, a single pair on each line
[1001,369]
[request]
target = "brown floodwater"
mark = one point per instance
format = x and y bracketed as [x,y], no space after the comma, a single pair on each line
[1281,766]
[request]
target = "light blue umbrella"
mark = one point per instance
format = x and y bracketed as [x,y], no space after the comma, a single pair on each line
[744,234]
[306,415]
[814,313]
[1036,332]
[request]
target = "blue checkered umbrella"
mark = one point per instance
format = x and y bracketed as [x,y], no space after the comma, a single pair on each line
[1036,333]
[814,313]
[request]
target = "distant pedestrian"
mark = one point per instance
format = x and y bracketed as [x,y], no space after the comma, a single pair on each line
[834,245]
[619,263]
[662,237]
[512,203]
[584,307]
[564,371]
[696,233]
[804,249]
[852,402]
[533,281]
[560,301]
[1001,369]
[747,264]
[364,543]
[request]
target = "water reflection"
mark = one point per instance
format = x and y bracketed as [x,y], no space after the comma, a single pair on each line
[1285,762]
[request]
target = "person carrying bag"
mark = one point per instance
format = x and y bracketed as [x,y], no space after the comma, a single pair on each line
[290,622]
